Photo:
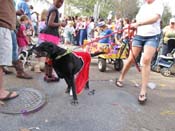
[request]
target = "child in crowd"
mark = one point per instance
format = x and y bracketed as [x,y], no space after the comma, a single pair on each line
[42,23]
[22,34]
[69,33]
[105,42]
[104,31]
[38,67]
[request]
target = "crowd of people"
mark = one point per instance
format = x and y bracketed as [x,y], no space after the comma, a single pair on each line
[16,30]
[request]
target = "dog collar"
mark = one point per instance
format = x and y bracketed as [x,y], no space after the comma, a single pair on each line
[68,51]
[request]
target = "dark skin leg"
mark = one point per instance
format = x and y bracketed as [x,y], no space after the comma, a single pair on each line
[70,82]
[75,100]
[68,86]
[87,86]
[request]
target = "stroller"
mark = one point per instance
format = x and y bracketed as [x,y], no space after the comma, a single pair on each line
[166,63]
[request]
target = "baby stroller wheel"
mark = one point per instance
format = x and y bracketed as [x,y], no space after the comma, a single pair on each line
[102,64]
[156,68]
[165,72]
[172,69]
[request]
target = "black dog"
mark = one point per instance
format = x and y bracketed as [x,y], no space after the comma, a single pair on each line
[65,63]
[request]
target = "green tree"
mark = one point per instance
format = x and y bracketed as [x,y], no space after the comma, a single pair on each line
[166,16]
[43,1]
[127,8]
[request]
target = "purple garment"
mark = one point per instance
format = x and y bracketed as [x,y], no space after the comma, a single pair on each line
[41,25]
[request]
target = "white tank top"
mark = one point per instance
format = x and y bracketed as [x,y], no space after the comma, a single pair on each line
[147,11]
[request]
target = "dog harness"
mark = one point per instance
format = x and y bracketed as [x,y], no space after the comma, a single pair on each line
[68,51]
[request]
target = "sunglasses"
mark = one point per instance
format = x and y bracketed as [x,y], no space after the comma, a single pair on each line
[172,23]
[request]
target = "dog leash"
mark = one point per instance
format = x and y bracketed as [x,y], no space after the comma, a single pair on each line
[100,38]
[68,51]
[130,48]
[106,36]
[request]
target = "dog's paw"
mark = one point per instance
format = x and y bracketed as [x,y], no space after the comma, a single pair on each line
[86,87]
[92,92]
[74,102]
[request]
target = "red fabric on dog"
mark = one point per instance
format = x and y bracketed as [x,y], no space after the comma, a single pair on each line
[83,75]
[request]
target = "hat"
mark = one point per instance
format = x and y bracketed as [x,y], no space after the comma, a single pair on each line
[172,20]
[101,23]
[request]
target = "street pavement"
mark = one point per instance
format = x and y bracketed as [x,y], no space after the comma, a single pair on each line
[109,109]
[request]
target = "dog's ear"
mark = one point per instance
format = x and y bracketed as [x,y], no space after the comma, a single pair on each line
[46,46]
[49,47]
[52,49]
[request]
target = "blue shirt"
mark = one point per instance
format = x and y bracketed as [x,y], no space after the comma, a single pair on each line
[104,33]
[21,4]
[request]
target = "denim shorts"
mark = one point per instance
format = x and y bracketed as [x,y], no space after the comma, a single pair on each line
[141,41]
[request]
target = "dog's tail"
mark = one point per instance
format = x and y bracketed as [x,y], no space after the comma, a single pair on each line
[97,53]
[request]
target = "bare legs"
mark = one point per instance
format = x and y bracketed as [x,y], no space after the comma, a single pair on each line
[146,61]
[129,62]
[3,92]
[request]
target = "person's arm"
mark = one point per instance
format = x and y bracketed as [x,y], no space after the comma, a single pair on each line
[146,21]
[152,20]
[23,29]
[165,30]
[19,12]
[51,21]
[25,8]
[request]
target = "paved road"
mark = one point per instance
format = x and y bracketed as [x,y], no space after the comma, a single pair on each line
[109,109]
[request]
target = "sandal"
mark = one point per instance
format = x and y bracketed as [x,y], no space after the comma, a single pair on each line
[143,97]
[119,83]
[6,70]
[51,78]
[9,96]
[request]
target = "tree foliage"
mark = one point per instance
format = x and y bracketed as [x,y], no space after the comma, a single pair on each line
[44,1]
[126,8]
[166,16]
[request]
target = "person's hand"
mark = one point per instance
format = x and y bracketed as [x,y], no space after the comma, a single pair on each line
[19,12]
[134,25]
[63,24]
[159,48]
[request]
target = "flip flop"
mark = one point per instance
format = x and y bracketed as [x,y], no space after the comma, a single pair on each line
[119,83]
[9,97]
[142,102]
